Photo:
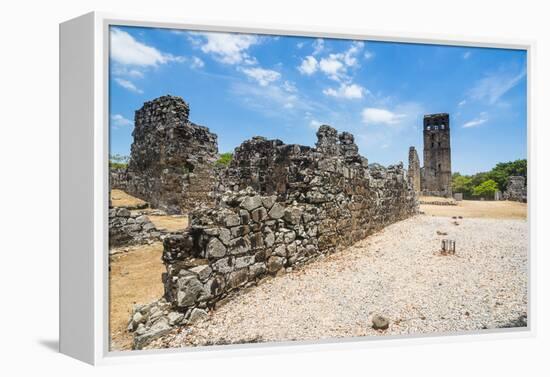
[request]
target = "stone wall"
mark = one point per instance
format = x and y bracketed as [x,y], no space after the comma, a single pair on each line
[294,203]
[127,228]
[171,162]
[516,189]
[118,178]
[413,173]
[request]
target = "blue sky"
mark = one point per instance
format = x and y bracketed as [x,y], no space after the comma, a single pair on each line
[242,85]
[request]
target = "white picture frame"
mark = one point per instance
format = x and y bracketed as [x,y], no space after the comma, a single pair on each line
[84,144]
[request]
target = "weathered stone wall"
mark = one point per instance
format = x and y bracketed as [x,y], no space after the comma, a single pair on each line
[277,206]
[127,228]
[118,178]
[309,202]
[516,189]
[171,162]
[413,173]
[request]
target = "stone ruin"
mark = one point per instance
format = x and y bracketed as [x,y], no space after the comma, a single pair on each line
[130,228]
[516,189]
[414,171]
[275,207]
[172,159]
[435,177]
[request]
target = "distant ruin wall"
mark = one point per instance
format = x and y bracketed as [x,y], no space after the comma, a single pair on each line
[127,228]
[516,189]
[311,201]
[413,173]
[171,162]
[118,178]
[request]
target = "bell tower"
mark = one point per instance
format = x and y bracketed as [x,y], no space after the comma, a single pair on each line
[436,174]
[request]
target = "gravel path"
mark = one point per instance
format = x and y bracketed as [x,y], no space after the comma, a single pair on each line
[397,273]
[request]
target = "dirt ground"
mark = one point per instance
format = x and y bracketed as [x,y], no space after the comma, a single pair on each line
[135,278]
[169,223]
[121,199]
[479,209]
[135,275]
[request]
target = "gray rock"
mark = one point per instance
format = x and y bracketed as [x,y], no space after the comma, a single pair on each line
[175,318]
[269,239]
[158,329]
[274,264]
[244,261]
[215,249]
[256,270]
[277,211]
[293,215]
[251,202]
[239,245]
[225,235]
[237,278]
[268,201]
[197,314]
[223,265]
[280,250]
[203,271]
[380,323]
[232,220]
[190,291]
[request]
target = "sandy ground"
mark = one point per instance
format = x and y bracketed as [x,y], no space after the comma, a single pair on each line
[135,277]
[420,291]
[169,223]
[121,199]
[435,199]
[479,209]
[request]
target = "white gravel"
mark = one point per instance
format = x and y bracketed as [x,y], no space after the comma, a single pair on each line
[397,273]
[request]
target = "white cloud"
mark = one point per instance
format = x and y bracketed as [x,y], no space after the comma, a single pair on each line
[335,65]
[229,48]
[495,85]
[126,84]
[289,87]
[126,50]
[372,115]
[261,75]
[350,55]
[332,66]
[483,118]
[120,121]
[466,55]
[462,103]
[196,62]
[368,55]
[350,91]
[315,124]
[318,46]
[120,70]
[309,65]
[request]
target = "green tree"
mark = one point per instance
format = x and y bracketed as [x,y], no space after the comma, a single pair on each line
[118,161]
[225,159]
[486,189]
[463,184]
[503,170]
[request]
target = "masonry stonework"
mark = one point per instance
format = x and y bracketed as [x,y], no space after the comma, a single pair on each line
[516,189]
[413,173]
[436,175]
[171,162]
[283,205]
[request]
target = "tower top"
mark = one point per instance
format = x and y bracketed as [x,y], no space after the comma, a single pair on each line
[436,122]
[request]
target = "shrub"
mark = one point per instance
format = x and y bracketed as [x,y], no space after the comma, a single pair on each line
[225,159]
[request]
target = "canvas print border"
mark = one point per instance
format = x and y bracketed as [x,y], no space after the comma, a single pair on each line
[102,23]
